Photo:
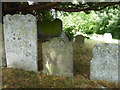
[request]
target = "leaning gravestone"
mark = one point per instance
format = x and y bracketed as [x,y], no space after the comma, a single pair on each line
[58,57]
[21,41]
[104,64]
[79,39]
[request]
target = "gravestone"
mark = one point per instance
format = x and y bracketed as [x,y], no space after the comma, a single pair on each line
[104,64]
[79,39]
[20,33]
[2,48]
[58,57]
[48,29]
[108,37]
[45,28]
[57,27]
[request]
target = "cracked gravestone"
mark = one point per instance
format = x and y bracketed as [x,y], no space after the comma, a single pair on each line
[104,64]
[20,33]
[58,57]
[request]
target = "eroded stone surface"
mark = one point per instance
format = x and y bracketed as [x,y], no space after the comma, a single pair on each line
[20,33]
[58,57]
[104,64]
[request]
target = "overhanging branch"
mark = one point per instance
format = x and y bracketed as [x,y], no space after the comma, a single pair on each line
[53,6]
[96,7]
[30,8]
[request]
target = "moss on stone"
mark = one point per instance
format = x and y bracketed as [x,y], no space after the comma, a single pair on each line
[52,28]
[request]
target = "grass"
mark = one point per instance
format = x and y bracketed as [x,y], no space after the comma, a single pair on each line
[14,78]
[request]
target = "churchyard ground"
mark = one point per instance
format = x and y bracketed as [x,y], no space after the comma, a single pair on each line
[14,78]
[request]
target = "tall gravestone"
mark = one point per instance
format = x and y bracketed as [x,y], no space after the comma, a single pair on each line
[105,62]
[20,33]
[58,57]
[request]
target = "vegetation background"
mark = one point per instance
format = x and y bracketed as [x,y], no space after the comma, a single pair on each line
[99,22]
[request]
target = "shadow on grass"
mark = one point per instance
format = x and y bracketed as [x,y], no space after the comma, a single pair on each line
[40,60]
[82,55]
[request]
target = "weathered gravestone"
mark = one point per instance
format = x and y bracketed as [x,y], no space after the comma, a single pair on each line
[104,64]
[49,29]
[108,37]
[2,48]
[79,39]
[21,41]
[58,57]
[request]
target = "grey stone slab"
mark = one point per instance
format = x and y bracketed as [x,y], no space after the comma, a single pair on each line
[58,57]
[104,64]
[20,32]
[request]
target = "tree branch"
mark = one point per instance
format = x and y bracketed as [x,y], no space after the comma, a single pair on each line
[96,7]
[30,8]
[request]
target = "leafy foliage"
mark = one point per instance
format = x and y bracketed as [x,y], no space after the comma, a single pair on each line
[100,22]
